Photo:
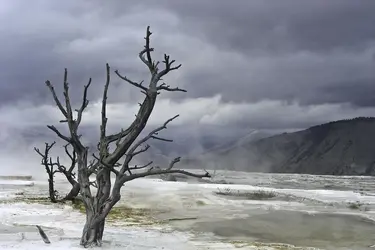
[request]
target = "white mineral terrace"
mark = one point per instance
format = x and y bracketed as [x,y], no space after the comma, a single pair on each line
[306,211]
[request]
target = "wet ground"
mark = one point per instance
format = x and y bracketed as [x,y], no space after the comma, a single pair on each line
[324,231]
[316,211]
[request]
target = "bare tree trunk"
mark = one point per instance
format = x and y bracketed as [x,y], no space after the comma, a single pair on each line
[92,234]
[51,188]
[95,220]
[96,213]
[93,230]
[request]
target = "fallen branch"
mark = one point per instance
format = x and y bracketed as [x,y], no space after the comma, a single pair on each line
[43,235]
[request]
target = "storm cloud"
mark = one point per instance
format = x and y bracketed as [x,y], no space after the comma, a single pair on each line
[260,64]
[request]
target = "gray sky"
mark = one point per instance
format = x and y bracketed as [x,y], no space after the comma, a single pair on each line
[247,64]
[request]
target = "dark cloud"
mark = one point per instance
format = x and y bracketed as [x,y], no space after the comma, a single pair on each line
[311,52]
[285,50]
[292,50]
[40,40]
[280,26]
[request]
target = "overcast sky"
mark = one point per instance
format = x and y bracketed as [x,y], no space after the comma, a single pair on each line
[247,64]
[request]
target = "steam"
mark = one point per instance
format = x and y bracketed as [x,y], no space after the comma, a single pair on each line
[205,123]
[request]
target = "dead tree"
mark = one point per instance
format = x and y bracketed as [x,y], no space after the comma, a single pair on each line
[126,144]
[49,166]
[54,167]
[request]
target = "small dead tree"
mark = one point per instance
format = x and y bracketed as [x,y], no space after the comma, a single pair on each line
[126,144]
[49,166]
[54,167]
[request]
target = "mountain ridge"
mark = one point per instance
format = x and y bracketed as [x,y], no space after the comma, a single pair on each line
[342,147]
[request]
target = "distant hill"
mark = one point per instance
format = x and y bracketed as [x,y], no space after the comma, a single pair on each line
[345,147]
[188,141]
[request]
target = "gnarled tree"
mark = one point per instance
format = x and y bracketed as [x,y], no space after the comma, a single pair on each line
[126,144]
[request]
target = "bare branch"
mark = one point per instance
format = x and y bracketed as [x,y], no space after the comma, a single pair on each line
[60,167]
[166,87]
[132,150]
[118,136]
[147,50]
[147,105]
[85,102]
[161,139]
[118,141]
[56,171]
[168,66]
[67,112]
[138,85]
[93,166]
[68,106]
[54,129]
[46,150]
[147,38]
[141,150]
[174,161]
[57,101]
[72,156]
[137,167]
[140,167]
[103,126]
[158,171]
[165,171]
[155,131]
[106,165]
